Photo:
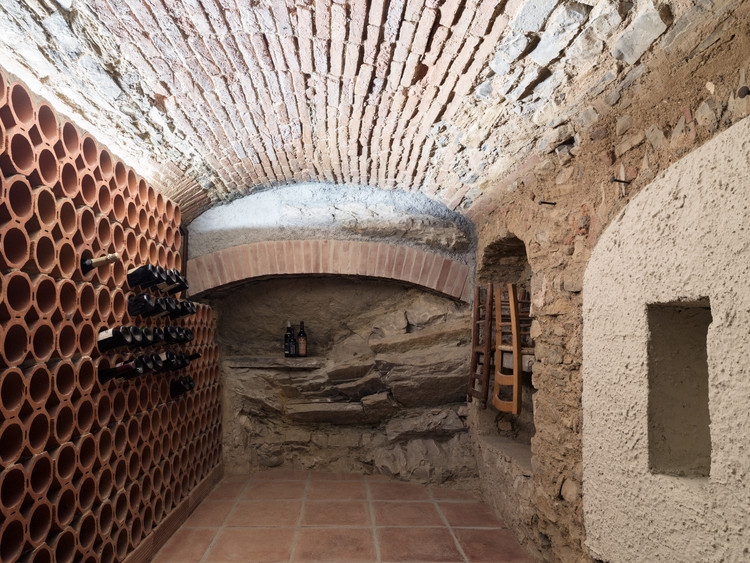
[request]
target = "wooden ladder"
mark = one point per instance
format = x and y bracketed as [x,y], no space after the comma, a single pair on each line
[509,337]
[482,355]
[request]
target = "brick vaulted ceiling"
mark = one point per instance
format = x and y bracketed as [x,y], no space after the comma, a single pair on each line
[214,99]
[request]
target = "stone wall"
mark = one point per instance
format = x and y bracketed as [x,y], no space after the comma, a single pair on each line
[642,125]
[382,390]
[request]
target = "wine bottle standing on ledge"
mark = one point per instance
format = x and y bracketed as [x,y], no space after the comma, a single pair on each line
[88,264]
[290,343]
[302,340]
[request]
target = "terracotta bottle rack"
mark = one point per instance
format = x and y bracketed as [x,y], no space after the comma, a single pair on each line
[86,470]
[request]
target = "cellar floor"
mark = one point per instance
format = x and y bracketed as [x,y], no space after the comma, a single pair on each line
[287,515]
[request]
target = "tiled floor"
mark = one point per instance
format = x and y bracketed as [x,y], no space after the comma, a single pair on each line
[285,515]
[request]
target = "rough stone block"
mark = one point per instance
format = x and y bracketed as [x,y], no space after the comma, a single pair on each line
[425,424]
[645,28]
[656,137]
[560,30]
[533,15]
[331,413]
[629,142]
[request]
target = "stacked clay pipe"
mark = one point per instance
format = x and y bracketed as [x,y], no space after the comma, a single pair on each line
[86,470]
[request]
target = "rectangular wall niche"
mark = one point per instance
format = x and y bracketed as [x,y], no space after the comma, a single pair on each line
[679,440]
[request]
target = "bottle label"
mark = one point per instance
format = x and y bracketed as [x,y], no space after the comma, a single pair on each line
[105,334]
[302,347]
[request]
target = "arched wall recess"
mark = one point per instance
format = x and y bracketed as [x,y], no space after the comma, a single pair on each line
[429,270]
[666,473]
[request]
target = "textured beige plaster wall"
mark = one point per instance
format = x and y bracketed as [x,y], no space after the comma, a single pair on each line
[684,237]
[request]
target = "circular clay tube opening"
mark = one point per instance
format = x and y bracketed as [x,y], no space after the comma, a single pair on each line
[66,258]
[15,248]
[37,432]
[86,493]
[67,218]
[86,299]
[65,546]
[11,539]
[106,166]
[11,441]
[122,542]
[64,506]
[63,425]
[40,475]
[67,184]
[86,375]
[104,199]
[90,152]
[89,191]
[45,295]
[38,522]
[42,341]
[44,253]
[44,208]
[86,339]
[18,293]
[19,198]
[66,340]
[68,295]
[65,379]
[47,124]
[39,385]
[47,168]
[21,154]
[70,139]
[12,488]
[86,531]
[12,392]
[20,103]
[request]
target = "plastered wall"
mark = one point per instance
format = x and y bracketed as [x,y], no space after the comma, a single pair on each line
[684,238]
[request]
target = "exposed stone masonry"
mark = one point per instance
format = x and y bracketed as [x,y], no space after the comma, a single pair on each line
[437,96]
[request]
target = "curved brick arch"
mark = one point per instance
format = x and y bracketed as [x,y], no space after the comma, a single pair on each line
[294,257]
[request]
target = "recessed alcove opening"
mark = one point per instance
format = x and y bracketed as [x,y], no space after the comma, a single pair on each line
[679,438]
[504,262]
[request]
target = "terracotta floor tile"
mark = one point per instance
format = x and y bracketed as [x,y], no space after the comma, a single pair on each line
[398,491]
[417,544]
[338,513]
[335,545]
[336,490]
[274,490]
[379,478]
[210,514]
[265,513]
[330,476]
[470,514]
[226,491]
[186,546]
[395,513]
[281,474]
[441,493]
[491,546]
[251,545]
[239,478]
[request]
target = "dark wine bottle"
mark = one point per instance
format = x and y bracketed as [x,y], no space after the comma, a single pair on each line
[148,336]
[172,334]
[288,339]
[137,336]
[181,285]
[169,281]
[145,276]
[141,304]
[188,335]
[114,338]
[88,264]
[292,344]
[168,360]
[158,333]
[302,340]
[181,386]
[184,309]
[126,370]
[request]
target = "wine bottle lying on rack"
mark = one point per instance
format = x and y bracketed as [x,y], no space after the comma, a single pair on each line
[146,276]
[88,264]
[172,361]
[126,370]
[185,308]
[177,334]
[181,386]
[117,337]
[174,283]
